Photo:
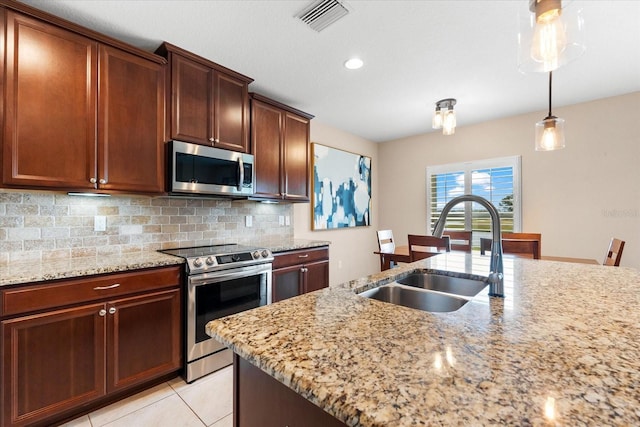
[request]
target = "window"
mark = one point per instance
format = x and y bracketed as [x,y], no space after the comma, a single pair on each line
[497,180]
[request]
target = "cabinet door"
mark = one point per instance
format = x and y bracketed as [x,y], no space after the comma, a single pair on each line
[191,102]
[131,123]
[52,362]
[286,282]
[266,129]
[296,157]
[144,338]
[316,276]
[230,113]
[50,113]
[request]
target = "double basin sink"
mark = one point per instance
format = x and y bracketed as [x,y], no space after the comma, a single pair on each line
[428,291]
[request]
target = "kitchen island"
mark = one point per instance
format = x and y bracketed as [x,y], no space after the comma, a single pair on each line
[561,348]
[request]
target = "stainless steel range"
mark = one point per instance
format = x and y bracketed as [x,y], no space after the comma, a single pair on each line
[221,280]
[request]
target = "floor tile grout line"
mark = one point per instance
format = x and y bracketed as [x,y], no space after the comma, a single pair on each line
[135,410]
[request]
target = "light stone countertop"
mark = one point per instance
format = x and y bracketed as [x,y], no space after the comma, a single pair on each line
[561,349]
[29,271]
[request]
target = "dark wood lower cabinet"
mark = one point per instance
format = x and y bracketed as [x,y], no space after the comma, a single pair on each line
[62,362]
[259,400]
[300,271]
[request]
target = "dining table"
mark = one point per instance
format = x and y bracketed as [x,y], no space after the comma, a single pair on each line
[401,254]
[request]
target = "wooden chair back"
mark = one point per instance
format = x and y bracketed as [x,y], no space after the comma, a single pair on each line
[385,241]
[526,236]
[419,246]
[521,248]
[459,240]
[614,253]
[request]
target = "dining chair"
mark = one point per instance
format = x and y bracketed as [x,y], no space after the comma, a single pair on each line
[419,246]
[460,240]
[614,253]
[485,243]
[386,243]
[521,248]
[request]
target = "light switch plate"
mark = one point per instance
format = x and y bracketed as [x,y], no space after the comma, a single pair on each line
[248,221]
[281,220]
[287,220]
[100,223]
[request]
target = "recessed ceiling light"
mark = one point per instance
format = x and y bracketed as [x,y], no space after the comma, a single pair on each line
[354,63]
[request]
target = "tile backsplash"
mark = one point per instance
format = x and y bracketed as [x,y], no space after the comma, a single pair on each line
[43,226]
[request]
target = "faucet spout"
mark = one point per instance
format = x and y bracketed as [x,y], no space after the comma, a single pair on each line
[496,274]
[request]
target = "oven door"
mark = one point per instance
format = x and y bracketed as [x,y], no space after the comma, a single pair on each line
[222,293]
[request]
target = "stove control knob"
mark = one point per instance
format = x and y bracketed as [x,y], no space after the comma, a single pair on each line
[209,260]
[235,257]
[197,263]
[256,255]
[265,253]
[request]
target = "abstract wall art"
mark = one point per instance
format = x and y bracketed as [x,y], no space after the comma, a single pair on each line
[341,193]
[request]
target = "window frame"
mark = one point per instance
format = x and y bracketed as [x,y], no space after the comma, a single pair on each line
[515,162]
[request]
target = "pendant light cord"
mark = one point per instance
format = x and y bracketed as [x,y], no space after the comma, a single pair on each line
[550,77]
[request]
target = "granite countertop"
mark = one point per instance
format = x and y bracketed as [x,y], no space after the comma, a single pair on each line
[561,349]
[29,271]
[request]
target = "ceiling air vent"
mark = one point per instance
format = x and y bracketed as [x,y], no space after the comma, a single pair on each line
[322,13]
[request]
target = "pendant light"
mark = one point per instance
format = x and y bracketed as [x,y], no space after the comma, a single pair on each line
[444,116]
[551,35]
[550,131]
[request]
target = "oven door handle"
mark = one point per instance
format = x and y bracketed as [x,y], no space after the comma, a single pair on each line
[219,276]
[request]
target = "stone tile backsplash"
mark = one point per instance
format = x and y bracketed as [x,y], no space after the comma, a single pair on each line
[43,226]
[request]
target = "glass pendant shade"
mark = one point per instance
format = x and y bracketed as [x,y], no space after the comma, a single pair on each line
[551,35]
[437,119]
[550,134]
[449,123]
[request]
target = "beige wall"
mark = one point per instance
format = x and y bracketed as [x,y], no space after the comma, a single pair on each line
[578,198]
[351,250]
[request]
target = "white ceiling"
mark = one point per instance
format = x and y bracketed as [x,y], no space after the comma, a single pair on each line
[415,53]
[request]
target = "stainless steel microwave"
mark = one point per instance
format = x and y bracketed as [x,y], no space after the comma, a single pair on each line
[201,170]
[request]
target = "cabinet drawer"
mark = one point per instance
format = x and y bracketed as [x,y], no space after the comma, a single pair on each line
[298,257]
[68,292]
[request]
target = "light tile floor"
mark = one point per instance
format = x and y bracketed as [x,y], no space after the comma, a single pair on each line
[205,402]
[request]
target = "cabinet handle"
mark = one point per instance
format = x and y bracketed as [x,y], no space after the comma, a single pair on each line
[112,310]
[92,180]
[212,139]
[303,256]
[103,181]
[102,288]
[102,312]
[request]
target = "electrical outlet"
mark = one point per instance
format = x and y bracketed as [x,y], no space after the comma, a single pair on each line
[339,264]
[287,220]
[281,220]
[248,221]
[100,223]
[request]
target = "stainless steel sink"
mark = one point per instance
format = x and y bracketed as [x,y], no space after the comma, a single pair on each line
[442,283]
[415,298]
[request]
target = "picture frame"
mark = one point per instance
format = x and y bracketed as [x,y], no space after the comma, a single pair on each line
[340,188]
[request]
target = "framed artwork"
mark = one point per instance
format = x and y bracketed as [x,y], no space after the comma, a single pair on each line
[341,188]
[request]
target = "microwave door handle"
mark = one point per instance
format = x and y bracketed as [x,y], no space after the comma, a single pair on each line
[241,173]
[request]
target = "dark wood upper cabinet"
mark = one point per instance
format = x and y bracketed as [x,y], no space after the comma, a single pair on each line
[209,103]
[130,123]
[280,138]
[50,108]
[79,114]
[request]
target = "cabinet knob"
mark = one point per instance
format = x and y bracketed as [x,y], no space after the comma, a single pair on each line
[112,310]
[92,180]
[103,181]
[102,312]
